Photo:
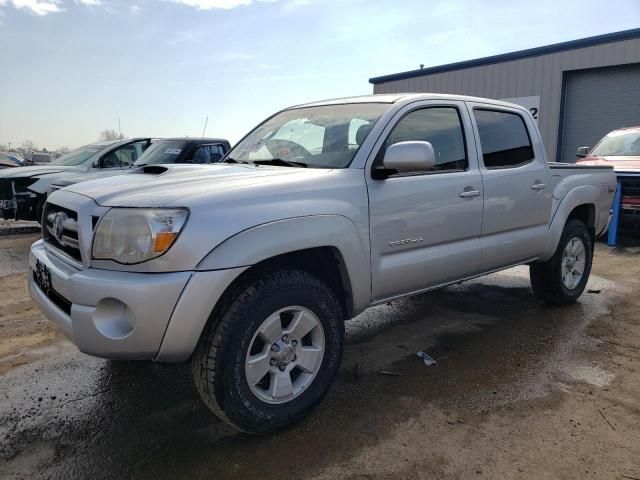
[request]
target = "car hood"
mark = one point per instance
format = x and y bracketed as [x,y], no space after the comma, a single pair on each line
[179,185]
[618,163]
[22,172]
[67,180]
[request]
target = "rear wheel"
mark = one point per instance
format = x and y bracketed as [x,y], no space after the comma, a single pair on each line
[562,279]
[274,353]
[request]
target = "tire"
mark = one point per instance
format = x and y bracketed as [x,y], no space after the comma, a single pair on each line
[548,278]
[220,362]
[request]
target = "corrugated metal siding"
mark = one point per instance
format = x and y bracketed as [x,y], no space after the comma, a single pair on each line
[596,102]
[535,76]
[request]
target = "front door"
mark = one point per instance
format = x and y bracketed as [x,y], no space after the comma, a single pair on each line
[425,226]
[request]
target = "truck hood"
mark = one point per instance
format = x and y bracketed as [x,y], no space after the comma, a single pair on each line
[173,185]
[620,164]
[35,171]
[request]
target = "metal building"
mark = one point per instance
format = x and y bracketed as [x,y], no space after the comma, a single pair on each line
[578,90]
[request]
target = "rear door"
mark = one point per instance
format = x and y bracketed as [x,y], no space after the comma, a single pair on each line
[425,226]
[517,187]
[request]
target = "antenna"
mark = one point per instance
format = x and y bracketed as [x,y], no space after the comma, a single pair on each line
[205,126]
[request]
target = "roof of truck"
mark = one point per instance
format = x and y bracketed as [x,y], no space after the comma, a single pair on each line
[397,97]
[195,139]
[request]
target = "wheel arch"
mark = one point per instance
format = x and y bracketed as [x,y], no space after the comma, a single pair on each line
[328,246]
[580,203]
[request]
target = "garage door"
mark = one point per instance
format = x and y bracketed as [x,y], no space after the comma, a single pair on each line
[596,102]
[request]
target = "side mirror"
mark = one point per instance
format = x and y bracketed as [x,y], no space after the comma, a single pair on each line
[582,152]
[404,157]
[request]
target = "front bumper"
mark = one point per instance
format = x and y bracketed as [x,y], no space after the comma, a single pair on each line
[126,315]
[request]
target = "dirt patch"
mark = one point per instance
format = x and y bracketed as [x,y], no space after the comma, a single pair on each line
[586,427]
[23,329]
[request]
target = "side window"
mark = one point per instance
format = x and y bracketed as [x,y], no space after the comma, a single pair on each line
[217,152]
[111,160]
[201,155]
[440,126]
[503,138]
[124,156]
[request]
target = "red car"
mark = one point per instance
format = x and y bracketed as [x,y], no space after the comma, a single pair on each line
[621,149]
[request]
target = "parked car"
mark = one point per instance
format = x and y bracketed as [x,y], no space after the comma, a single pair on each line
[24,190]
[38,158]
[8,161]
[620,149]
[250,267]
[165,151]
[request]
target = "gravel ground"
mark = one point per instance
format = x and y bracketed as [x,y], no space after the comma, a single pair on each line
[520,391]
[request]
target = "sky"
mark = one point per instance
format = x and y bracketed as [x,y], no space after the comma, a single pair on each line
[72,68]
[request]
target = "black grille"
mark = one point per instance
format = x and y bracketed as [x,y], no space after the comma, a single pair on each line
[6,192]
[61,302]
[65,238]
[631,187]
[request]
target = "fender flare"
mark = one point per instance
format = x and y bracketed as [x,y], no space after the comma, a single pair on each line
[584,195]
[279,237]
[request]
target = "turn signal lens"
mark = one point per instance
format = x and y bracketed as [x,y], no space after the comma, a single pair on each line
[163,241]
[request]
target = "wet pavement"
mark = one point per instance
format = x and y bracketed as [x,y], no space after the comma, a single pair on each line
[67,415]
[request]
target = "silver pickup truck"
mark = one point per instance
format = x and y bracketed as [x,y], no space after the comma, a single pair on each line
[249,268]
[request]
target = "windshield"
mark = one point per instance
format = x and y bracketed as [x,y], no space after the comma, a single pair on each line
[79,156]
[322,137]
[623,143]
[161,152]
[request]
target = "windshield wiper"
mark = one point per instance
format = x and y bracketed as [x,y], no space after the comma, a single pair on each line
[281,162]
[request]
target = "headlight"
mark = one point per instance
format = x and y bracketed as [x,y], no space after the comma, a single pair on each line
[134,235]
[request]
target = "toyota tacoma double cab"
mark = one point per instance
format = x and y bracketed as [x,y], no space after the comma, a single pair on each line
[250,268]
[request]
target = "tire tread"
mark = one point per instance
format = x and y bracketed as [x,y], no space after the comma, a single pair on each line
[206,362]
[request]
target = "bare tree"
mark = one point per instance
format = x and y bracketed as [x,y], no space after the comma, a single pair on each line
[109,135]
[28,146]
[64,150]
[3,147]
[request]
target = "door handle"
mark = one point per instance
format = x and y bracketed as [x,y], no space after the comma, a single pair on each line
[469,193]
[538,186]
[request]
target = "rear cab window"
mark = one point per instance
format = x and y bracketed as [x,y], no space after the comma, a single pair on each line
[504,138]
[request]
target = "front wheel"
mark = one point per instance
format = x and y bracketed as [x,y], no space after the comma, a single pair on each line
[562,279]
[274,353]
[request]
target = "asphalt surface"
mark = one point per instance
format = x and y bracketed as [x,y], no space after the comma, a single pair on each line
[503,358]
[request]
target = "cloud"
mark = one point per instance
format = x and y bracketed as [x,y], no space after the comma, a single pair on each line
[292,5]
[213,4]
[43,7]
[39,7]
[220,4]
